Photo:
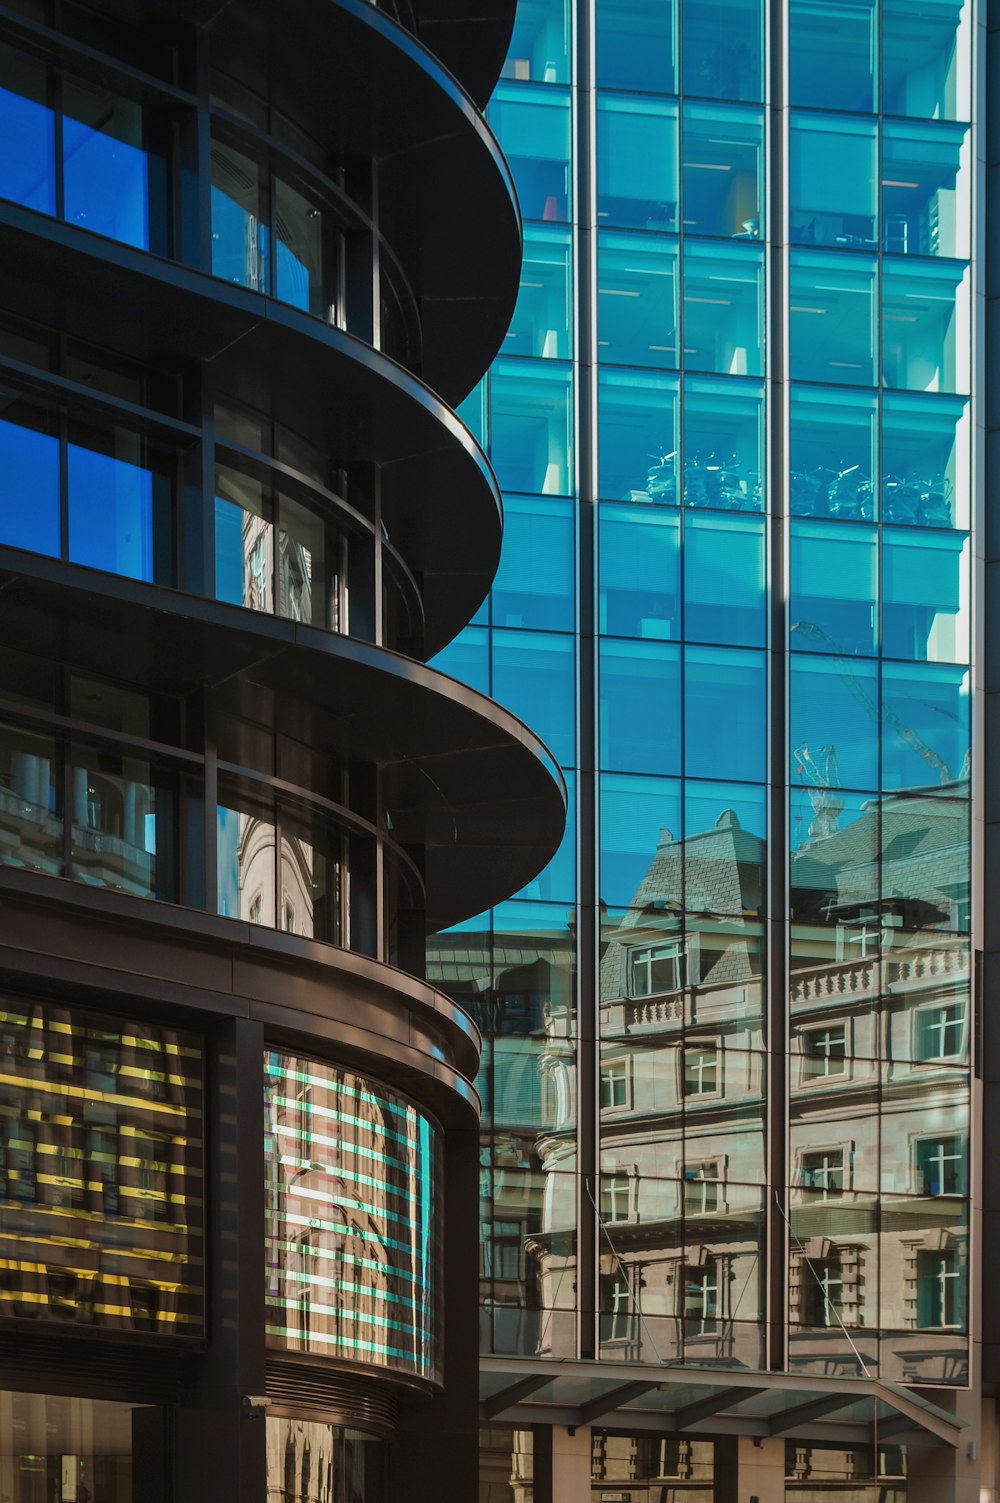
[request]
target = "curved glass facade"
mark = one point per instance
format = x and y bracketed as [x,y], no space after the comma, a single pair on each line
[353,1215]
[757,414]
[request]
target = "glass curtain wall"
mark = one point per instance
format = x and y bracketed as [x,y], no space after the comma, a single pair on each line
[657,484]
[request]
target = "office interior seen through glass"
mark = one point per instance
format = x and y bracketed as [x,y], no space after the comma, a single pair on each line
[728,1033]
[238,513]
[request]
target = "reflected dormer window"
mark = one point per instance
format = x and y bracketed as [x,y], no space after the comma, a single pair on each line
[656,969]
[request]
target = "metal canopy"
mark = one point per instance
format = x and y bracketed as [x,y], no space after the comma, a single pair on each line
[667,1398]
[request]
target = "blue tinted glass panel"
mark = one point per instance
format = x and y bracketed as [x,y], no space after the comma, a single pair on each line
[637,816]
[833,438]
[724,573]
[533,127]
[637,45]
[637,301]
[639,571]
[833,199]
[724,849]
[723,308]
[110,513]
[637,423]
[640,707]
[925,460]
[240,239]
[725,704]
[925,724]
[925,189]
[29,499]
[925,595]
[105,169]
[925,59]
[467,659]
[539,44]
[636,163]
[834,598]
[925,325]
[533,675]
[27,134]
[534,584]
[833,54]
[244,541]
[723,433]
[723,48]
[721,167]
[299,274]
[557,882]
[543,319]
[832,318]
[531,416]
[834,709]
[473,411]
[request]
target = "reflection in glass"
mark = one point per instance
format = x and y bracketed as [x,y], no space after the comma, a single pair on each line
[543,318]
[715,676]
[636,163]
[640,817]
[244,541]
[925,460]
[649,1459]
[105,167]
[925,317]
[124,825]
[309,1461]
[467,658]
[531,415]
[834,709]
[106,1172]
[639,707]
[66,1448]
[832,318]
[833,448]
[302,275]
[637,45]
[246,866]
[833,55]
[637,418]
[533,676]
[925,724]
[352,1174]
[723,49]
[29,460]
[925,189]
[116,506]
[723,308]
[534,586]
[925,605]
[27,133]
[31,829]
[539,44]
[534,126]
[834,594]
[832,193]
[723,444]
[240,235]
[557,881]
[724,597]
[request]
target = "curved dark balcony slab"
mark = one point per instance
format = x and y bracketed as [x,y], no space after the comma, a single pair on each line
[440,500]
[464,781]
[471,40]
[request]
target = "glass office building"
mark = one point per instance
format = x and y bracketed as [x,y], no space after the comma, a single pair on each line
[731,1115]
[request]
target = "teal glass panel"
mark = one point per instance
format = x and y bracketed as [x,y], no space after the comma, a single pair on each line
[467,658]
[110,1162]
[27,134]
[29,464]
[244,541]
[723,49]
[636,163]
[925,325]
[303,260]
[556,883]
[637,300]
[925,724]
[925,460]
[834,588]
[724,580]
[925,595]
[543,318]
[723,444]
[833,464]
[832,195]
[352,1176]
[725,712]
[539,43]
[725,830]
[926,189]
[925,887]
[834,710]
[833,54]
[832,318]
[473,411]
[638,571]
[926,63]
[637,45]
[639,718]
[533,127]
[637,437]
[531,424]
[723,308]
[241,246]
[533,675]
[534,586]
[638,815]
[106,171]
[721,171]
